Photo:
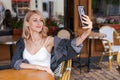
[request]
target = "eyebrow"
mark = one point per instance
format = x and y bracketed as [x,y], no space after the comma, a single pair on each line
[40,18]
[34,18]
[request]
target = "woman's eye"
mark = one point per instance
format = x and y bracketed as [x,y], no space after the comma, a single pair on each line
[36,20]
[41,20]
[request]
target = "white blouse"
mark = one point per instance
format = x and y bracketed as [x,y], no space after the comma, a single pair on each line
[42,57]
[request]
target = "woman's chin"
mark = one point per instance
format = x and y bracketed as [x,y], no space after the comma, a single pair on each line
[40,31]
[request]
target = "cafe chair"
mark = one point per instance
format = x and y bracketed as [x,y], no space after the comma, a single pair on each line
[64,69]
[118,59]
[108,43]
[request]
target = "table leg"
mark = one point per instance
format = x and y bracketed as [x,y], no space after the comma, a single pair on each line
[90,63]
[89,55]
[11,51]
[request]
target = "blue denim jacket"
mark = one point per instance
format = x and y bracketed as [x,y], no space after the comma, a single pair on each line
[64,49]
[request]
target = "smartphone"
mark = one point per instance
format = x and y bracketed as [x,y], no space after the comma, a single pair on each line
[81,12]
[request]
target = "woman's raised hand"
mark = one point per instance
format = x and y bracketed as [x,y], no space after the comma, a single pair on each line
[87,22]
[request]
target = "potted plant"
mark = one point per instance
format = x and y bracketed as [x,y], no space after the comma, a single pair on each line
[17,27]
[52,25]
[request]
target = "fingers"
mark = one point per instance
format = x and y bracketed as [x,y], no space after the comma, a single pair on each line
[47,69]
[87,21]
[50,72]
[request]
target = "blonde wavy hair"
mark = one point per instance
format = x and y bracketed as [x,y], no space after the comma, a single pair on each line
[26,30]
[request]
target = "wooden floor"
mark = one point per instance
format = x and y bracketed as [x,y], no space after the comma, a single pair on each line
[94,74]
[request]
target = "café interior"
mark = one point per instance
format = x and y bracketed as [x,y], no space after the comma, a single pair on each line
[100,56]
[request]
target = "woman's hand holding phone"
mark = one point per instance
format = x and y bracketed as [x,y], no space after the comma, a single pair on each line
[87,22]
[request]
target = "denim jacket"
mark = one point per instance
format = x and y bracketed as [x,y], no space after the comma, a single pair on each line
[64,49]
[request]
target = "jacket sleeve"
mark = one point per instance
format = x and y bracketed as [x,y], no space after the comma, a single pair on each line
[68,49]
[17,58]
[76,48]
[64,49]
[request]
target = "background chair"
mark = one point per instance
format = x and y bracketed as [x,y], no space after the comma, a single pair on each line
[118,59]
[64,69]
[108,43]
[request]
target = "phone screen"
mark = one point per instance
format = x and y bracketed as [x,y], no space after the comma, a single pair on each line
[81,12]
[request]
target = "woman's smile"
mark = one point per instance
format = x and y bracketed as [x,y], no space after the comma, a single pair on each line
[38,26]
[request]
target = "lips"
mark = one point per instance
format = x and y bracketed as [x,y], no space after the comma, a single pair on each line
[38,26]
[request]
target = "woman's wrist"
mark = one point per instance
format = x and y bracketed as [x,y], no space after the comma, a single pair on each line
[81,38]
[37,67]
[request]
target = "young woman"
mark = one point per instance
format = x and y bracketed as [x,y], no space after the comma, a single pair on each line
[35,49]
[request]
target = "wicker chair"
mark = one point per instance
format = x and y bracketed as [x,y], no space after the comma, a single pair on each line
[64,69]
[108,43]
[118,59]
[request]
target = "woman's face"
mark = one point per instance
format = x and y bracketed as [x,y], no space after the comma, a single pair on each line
[36,22]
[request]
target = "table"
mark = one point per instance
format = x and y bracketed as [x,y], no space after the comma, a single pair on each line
[93,35]
[11,74]
[9,40]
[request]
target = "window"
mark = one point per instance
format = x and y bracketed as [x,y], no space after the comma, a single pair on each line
[20,8]
[45,7]
[106,7]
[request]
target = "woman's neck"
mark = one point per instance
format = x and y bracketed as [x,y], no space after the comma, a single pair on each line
[35,36]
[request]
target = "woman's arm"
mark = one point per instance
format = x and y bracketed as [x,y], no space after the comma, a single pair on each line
[31,66]
[36,67]
[82,37]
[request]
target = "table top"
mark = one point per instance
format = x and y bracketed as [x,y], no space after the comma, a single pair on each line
[118,37]
[9,39]
[96,35]
[11,74]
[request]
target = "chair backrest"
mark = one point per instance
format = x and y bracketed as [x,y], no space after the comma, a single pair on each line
[108,31]
[60,33]
[64,69]
[63,34]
